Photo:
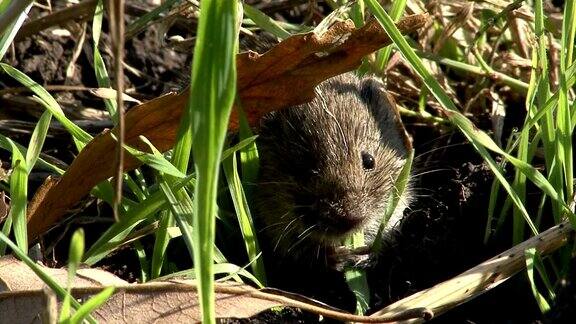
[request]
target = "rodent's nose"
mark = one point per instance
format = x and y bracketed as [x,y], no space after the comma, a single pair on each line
[337,217]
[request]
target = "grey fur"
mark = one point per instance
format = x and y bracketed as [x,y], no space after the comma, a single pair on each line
[313,189]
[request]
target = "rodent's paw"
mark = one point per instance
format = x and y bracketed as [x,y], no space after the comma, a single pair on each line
[343,258]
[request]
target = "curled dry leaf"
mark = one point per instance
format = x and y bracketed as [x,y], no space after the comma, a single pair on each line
[22,297]
[284,76]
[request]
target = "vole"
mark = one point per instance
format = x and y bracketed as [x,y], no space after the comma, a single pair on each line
[328,168]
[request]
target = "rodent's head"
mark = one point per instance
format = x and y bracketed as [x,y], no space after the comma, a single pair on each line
[328,167]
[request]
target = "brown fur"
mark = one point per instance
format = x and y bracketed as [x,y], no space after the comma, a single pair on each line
[313,189]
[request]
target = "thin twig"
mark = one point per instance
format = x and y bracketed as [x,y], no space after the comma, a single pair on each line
[117,31]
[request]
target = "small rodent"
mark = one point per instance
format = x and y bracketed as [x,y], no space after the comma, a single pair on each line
[327,168]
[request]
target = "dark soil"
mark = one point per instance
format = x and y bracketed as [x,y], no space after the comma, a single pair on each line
[442,234]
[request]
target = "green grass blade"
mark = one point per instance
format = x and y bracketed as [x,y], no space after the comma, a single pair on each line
[182,210]
[155,160]
[356,279]
[114,236]
[80,137]
[99,65]
[564,120]
[37,139]
[5,144]
[399,187]
[213,91]
[265,22]
[143,260]
[244,217]
[18,198]
[147,19]
[383,55]
[541,301]
[230,269]
[9,33]
[74,258]
[249,158]
[358,283]
[245,143]
[161,243]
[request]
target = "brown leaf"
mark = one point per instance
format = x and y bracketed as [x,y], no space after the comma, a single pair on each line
[284,76]
[15,275]
[22,298]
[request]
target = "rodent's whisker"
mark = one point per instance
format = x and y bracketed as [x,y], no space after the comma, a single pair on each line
[432,150]
[301,239]
[307,230]
[276,182]
[271,225]
[285,214]
[286,230]
[429,171]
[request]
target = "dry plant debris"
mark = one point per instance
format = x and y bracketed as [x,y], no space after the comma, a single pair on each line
[174,300]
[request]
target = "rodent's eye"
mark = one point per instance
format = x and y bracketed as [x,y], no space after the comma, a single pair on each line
[367,160]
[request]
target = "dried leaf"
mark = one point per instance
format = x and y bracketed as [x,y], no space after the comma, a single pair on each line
[23,298]
[284,76]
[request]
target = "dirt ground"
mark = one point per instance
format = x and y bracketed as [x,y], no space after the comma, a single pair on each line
[443,229]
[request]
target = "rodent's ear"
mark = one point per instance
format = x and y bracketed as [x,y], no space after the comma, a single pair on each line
[383,105]
[374,94]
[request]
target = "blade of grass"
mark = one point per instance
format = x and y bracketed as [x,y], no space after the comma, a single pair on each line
[111,239]
[37,140]
[356,278]
[400,186]
[244,217]
[143,260]
[213,88]
[155,160]
[99,65]
[22,166]
[541,301]
[9,33]
[18,200]
[230,269]
[12,12]
[265,22]
[161,243]
[564,120]
[80,137]
[115,235]
[5,144]
[249,159]
[74,258]
[148,19]
[549,136]
[383,55]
